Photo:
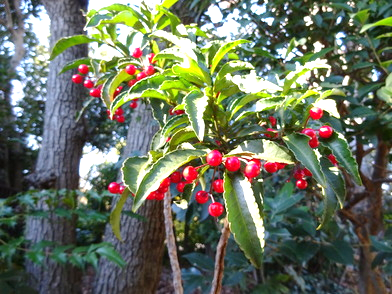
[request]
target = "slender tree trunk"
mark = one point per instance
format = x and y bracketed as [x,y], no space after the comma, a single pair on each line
[143,244]
[59,157]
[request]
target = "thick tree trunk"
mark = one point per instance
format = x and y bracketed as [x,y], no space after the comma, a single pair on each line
[143,244]
[59,157]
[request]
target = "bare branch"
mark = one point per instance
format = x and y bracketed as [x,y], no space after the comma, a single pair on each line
[171,244]
[216,287]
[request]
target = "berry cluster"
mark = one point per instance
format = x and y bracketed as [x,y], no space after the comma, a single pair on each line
[324,132]
[135,76]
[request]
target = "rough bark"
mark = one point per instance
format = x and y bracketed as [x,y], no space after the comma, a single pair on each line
[58,161]
[143,244]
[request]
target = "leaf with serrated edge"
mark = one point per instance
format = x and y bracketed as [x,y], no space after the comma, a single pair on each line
[263,149]
[340,149]
[298,144]
[334,179]
[195,105]
[131,168]
[244,217]
[172,123]
[181,136]
[160,170]
[330,206]
[115,215]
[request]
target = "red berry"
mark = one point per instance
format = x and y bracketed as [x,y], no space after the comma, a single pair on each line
[256,161]
[178,112]
[215,209]
[114,187]
[281,165]
[163,189]
[118,90]
[275,135]
[120,118]
[217,185]
[119,111]
[332,159]
[175,177]
[307,172]
[201,197]
[141,75]
[83,69]
[159,195]
[214,158]
[232,164]
[150,57]
[309,132]
[168,139]
[121,189]
[314,142]
[137,53]
[316,112]
[95,92]
[131,82]
[88,84]
[252,169]
[130,69]
[301,184]
[151,196]
[180,186]
[299,174]
[270,167]
[133,104]
[171,111]
[325,132]
[150,70]
[272,121]
[190,173]
[77,79]
[165,183]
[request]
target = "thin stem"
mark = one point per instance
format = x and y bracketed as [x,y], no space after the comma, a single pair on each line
[216,287]
[171,245]
[375,53]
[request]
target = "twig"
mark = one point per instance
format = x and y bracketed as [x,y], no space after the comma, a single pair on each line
[216,287]
[171,244]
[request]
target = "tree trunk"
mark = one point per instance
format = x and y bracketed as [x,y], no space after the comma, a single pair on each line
[143,244]
[59,157]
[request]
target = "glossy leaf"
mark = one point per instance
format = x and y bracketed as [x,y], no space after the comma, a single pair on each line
[263,149]
[110,86]
[74,64]
[112,255]
[173,123]
[67,42]
[115,215]
[244,217]
[131,169]
[195,105]
[232,66]
[298,144]
[384,22]
[339,251]
[334,179]
[238,103]
[223,50]
[160,170]
[183,135]
[340,149]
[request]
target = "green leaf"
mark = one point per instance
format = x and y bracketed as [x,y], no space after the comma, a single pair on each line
[263,149]
[328,105]
[340,149]
[173,123]
[110,86]
[112,255]
[384,22]
[128,18]
[232,66]
[238,103]
[115,215]
[251,83]
[67,42]
[244,217]
[339,251]
[281,204]
[334,179]
[195,105]
[160,170]
[223,50]
[131,169]
[330,205]
[181,136]
[261,105]
[298,144]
